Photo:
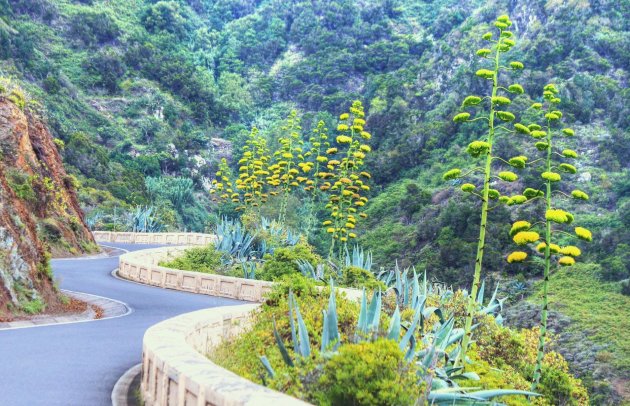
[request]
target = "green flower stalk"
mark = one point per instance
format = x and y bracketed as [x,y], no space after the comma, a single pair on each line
[498,103]
[554,217]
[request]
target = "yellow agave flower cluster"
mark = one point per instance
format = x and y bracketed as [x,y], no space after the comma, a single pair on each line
[498,106]
[253,170]
[345,180]
[544,141]
[223,186]
[249,188]
[522,234]
[317,157]
[284,169]
[336,170]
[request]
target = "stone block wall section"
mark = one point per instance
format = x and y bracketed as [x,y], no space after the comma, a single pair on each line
[142,266]
[154,238]
[175,373]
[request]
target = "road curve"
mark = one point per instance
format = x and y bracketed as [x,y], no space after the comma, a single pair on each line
[78,364]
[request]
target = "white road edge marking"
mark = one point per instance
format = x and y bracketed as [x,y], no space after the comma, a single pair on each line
[98,256]
[127,313]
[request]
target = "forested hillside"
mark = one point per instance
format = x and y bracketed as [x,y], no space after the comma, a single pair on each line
[148,94]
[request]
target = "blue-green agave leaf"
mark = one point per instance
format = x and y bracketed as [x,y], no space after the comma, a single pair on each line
[394,326]
[283,350]
[267,366]
[305,344]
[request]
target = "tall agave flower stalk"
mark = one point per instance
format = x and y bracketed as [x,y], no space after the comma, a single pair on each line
[315,160]
[284,169]
[497,103]
[345,181]
[522,231]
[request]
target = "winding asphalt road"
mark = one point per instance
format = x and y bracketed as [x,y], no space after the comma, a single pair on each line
[78,364]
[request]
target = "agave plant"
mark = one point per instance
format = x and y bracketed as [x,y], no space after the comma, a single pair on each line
[310,271]
[144,220]
[234,240]
[93,220]
[359,258]
[435,360]
[249,270]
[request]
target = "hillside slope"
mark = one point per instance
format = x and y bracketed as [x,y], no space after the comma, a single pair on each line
[39,210]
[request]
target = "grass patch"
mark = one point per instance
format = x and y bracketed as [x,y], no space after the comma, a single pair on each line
[595,306]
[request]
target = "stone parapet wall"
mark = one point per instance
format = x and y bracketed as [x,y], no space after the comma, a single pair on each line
[175,371]
[142,266]
[154,238]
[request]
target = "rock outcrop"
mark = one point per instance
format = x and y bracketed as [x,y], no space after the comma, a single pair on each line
[39,211]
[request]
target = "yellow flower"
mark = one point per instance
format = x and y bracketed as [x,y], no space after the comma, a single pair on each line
[342,127]
[557,216]
[526,237]
[365,148]
[327,223]
[330,230]
[553,248]
[468,187]
[508,176]
[578,194]
[331,151]
[517,256]
[583,234]
[566,261]
[571,251]
[519,226]
[344,139]
[452,174]
[551,176]
[352,235]
[344,116]
[365,135]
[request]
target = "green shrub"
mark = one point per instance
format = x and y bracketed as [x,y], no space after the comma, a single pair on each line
[283,261]
[355,277]
[33,306]
[199,259]
[625,287]
[368,373]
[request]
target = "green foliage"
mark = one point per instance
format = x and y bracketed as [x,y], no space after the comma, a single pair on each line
[34,306]
[284,261]
[356,277]
[368,373]
[199,259]
[577,291]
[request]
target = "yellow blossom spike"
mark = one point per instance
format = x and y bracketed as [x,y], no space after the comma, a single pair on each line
[526,237]
[516,256]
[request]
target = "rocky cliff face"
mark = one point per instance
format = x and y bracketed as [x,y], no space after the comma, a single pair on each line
[39,211]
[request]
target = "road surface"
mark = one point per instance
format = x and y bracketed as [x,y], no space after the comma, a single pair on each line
[78,364]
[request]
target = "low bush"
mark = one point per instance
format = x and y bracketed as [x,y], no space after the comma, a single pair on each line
[368,373]
[284,261]
[199,259]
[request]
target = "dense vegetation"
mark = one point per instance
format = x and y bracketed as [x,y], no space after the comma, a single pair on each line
[144,95]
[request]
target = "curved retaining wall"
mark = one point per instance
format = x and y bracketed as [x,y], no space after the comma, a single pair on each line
[174,371]
[154,238]
[142,266]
